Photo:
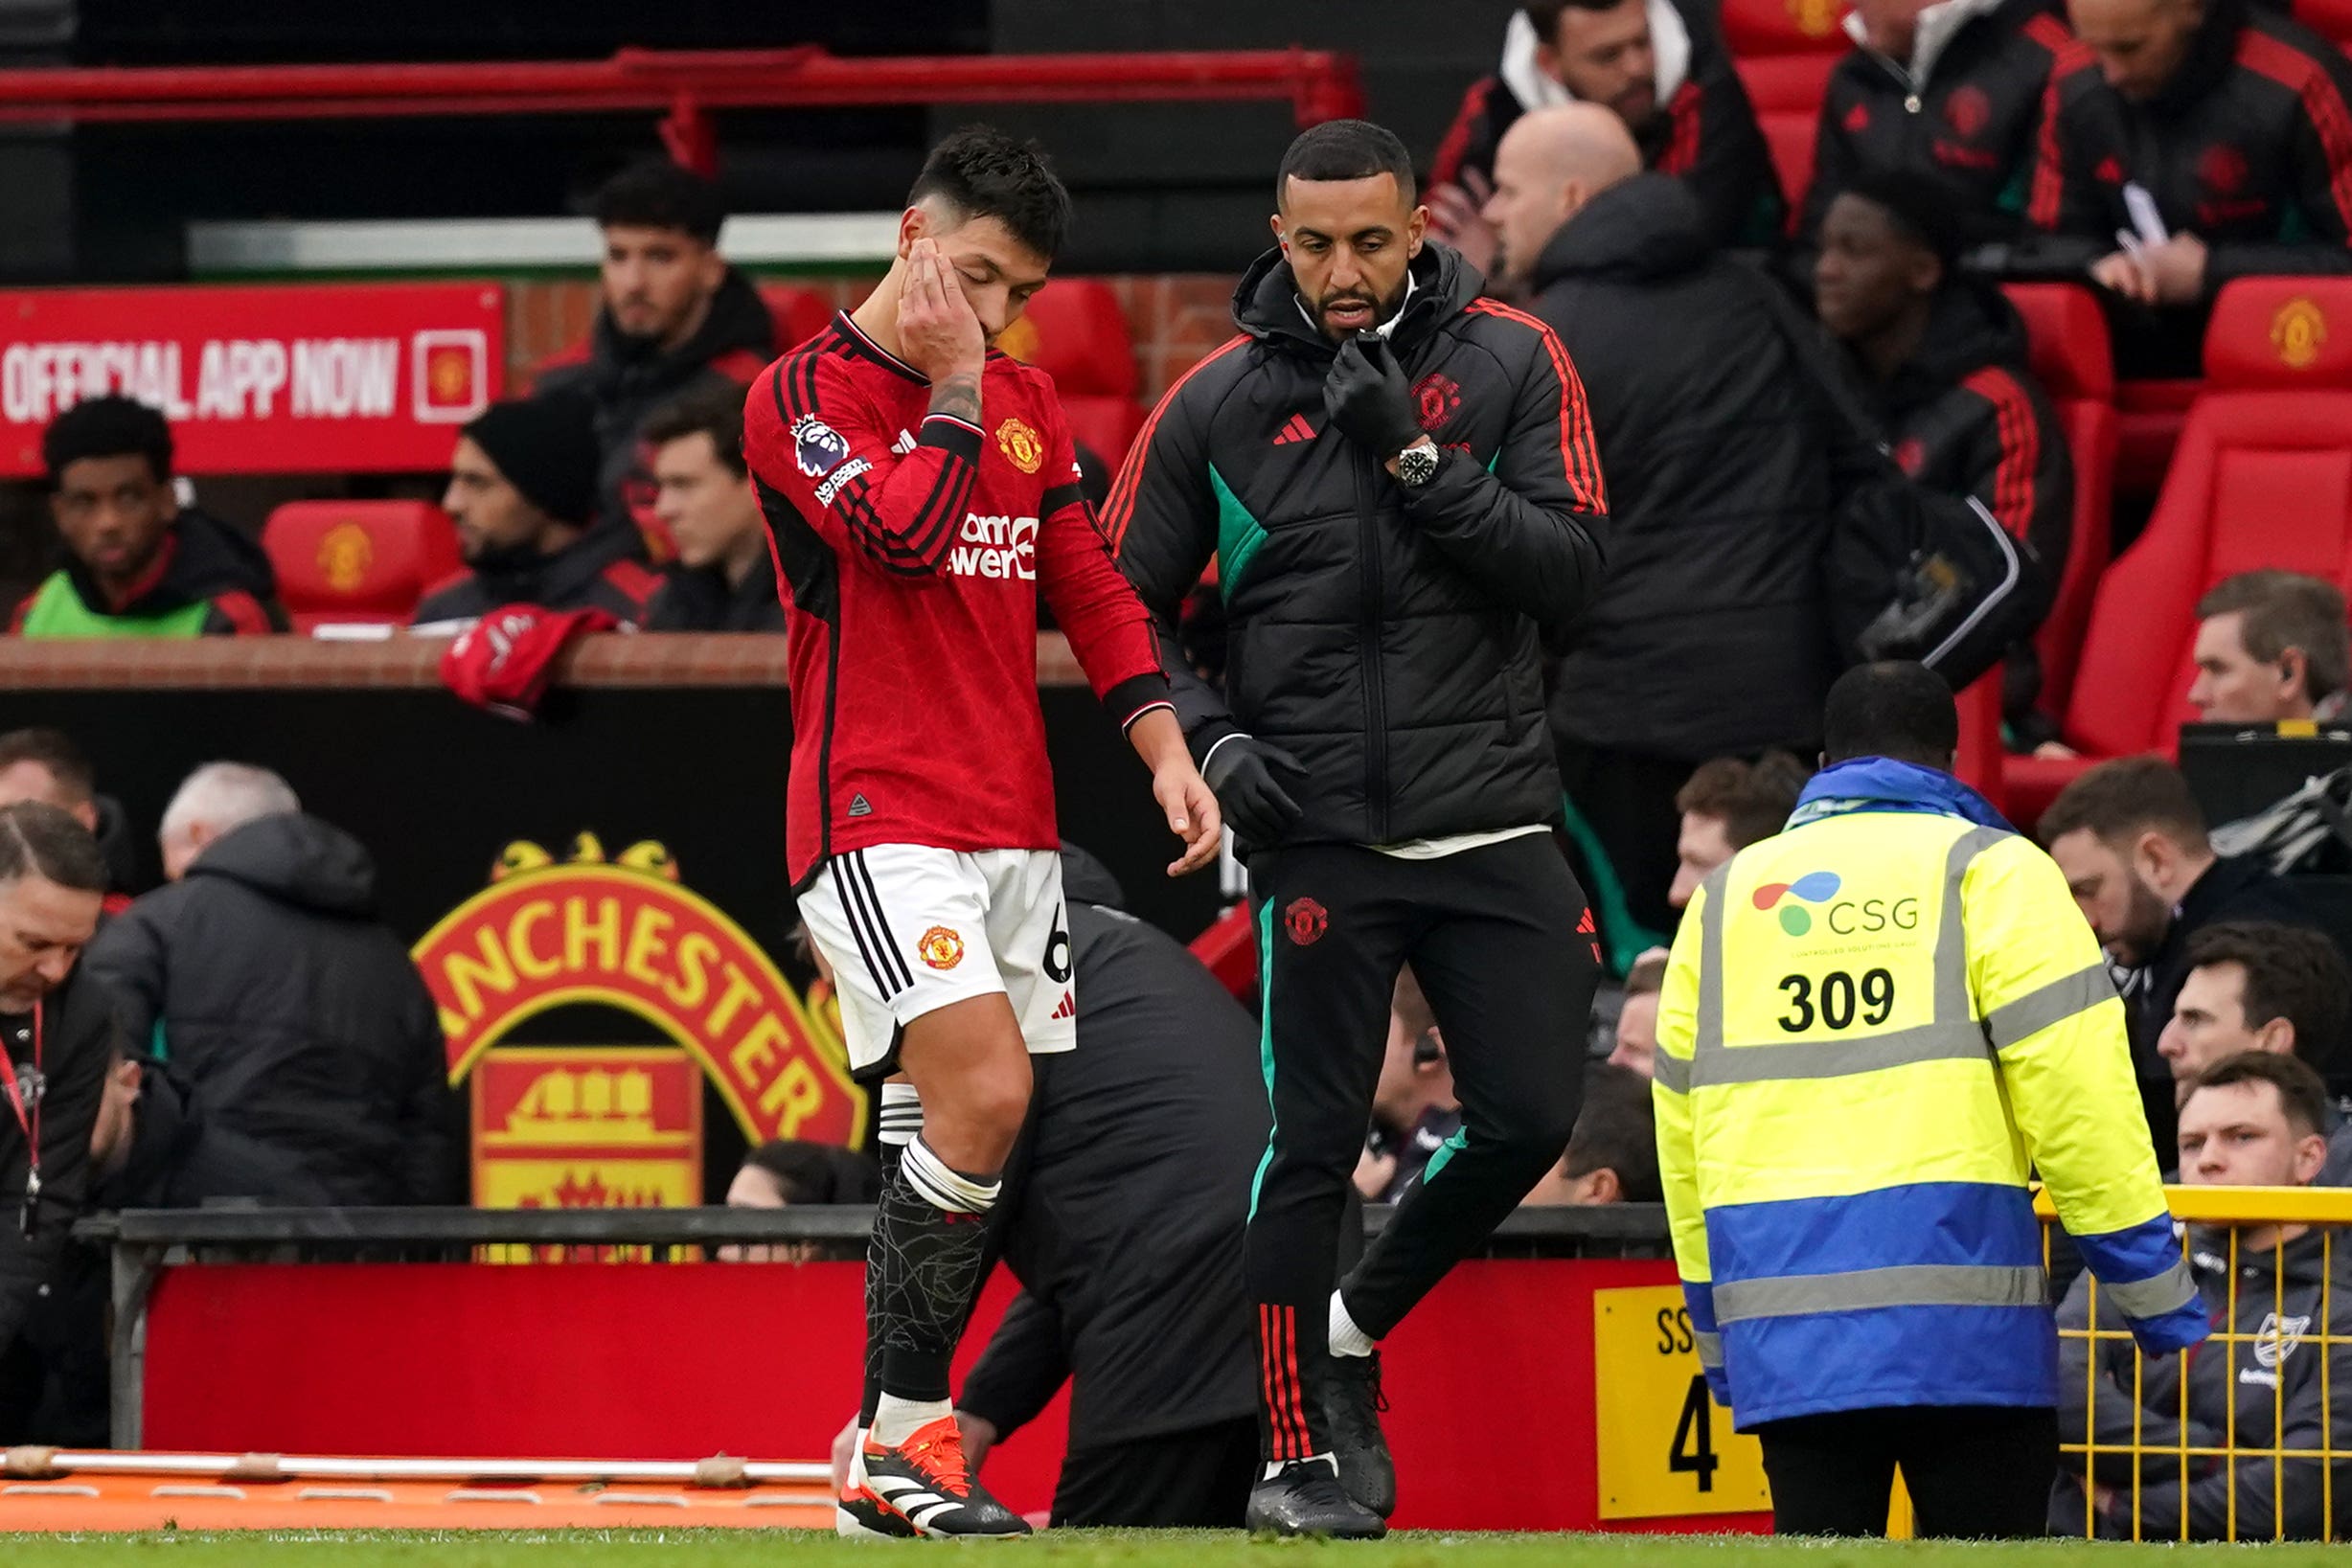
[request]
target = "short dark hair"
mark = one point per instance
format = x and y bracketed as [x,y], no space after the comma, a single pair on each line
[1345,150]
[2120,800]
[982,173]
[1544,15]
[818,1172]
[716,412]
[1895,708]
[108,426]
[659,194]
[2280,610]
[2292,973]
[54,750]
[1753,799]
[2300,1092]
[38,838]
[1616,1131]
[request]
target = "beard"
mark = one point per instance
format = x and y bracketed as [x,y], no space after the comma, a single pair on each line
[2146,919]
[1382,310]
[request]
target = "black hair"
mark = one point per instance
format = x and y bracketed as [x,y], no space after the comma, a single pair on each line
[659,194]
[982,173]
[55,751]
[1921,208]
[1345,150]
[1544,15]
[716,412]
[1616,1131]
[108,426]
[2120,800]
[38,839]
[1895,708]
[2301,1095]
[818,1172]
[2292,973]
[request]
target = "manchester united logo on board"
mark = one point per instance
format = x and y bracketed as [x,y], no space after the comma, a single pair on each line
[1021,445]
[2298,332]
[1304,921]
[941,948]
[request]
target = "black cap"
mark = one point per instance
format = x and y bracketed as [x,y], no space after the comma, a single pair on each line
[1924,207]
[547,449]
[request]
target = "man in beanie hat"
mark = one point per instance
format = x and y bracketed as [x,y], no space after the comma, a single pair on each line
[522,491]
[1942,360]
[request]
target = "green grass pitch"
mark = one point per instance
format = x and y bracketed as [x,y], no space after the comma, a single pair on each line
[1072,1549]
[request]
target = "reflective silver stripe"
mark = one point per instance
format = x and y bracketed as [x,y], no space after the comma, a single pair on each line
[1707,1029]
[1951,935]
[2153,1298]
[1907,1284]
[1789,1059]
[1674,1071]
[2054,1003]
[1710,1350]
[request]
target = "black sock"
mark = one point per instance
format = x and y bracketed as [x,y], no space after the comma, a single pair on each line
[924,1268]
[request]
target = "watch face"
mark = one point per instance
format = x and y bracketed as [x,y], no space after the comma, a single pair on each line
[1417,464]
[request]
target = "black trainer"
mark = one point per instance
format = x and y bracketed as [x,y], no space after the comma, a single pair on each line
[1305,1499]
[927,1483]
[1352,1406]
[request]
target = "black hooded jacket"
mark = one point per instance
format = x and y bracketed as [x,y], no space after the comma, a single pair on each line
[78,1034]
[1711,634]
[626,378]
[1964,417]
[311,1052]
[599,571]
[699,598]
[1389,638]
[204,561]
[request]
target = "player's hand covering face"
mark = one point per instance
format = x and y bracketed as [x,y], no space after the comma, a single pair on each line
[996,272]
[938,330]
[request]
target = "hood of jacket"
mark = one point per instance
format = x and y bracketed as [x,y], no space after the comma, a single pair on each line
[1086,880]
[202,558]
[558,578]
[1882,783]
[1931,33]
[1267,304]
[738,320]
[295,859]
[1670,43]
[1970,326]
[1650,226]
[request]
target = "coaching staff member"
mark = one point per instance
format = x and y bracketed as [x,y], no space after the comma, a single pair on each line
[1398,479]
[1873,1027]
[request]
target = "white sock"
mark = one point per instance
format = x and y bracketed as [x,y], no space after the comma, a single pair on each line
[1280,1465]
[1346,1339]
[944,1187]
[902,1116]
[895,1419]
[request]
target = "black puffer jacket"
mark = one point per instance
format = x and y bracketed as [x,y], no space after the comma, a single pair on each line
[1387,638]
[627,378]
[310,1045]
[79,1036]
[1711,634]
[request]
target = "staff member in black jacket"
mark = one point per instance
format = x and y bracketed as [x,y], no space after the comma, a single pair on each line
[1399,480]
[58,1033]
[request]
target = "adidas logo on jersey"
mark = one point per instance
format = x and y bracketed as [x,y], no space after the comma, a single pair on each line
[905,443]
[1068,1008]
[860,806]
[1298,429]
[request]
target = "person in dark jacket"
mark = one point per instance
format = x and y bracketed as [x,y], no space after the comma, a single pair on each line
[1663,67]
[675,318]
[724,579]
[2232,119]
[1950,91]
[1941,358]
[522,493]
[2253,1119]
[58,1030]
[138,563]
[1712,634]
[1123,1223]
[311,1050]
[45,765]
[1399,479]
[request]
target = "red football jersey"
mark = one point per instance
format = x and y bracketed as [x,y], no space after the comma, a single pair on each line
[911,547]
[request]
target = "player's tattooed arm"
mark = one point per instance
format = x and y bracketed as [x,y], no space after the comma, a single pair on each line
[958,394]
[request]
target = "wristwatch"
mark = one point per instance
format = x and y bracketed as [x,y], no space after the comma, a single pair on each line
[1417,463]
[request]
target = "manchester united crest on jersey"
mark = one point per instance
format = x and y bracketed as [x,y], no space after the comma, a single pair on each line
[1022,446]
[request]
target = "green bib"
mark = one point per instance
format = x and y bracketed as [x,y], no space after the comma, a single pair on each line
[57,611]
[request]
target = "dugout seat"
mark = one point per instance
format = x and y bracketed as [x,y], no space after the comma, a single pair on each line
[2069,354]
[357,563]
[1783,51]
[2262,478]
[799,313]
[1075,331]
[2331,19]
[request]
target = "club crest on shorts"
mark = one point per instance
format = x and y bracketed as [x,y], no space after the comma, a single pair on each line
[817,446]
[1021,445]
[1304,921]
[941,948]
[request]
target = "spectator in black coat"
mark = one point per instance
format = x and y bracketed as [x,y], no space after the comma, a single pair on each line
[312,1052]
[58,1033]
[724,579]
[675,318]
[1712,633]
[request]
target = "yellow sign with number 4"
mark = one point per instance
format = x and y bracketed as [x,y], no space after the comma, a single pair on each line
[1666,1449]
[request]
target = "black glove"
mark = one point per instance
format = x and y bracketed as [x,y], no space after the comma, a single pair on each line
[1248,780]
[1367,399]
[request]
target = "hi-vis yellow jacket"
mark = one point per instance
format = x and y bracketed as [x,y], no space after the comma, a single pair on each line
[1874,1026]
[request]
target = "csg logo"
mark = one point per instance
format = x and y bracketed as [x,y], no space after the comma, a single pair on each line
[1814,887]
[1846,918]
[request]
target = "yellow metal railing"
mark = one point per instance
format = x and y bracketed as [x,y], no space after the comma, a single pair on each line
[2120,1474]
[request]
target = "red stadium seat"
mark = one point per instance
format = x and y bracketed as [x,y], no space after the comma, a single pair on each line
[2330,18]
[2262,478]
[1979,762]
[1075,331]
[801,313]
[1783,51]
[2067,338]
[357,563]
[2148,418]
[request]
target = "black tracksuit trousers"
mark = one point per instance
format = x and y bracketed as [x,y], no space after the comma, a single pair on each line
[1502,943]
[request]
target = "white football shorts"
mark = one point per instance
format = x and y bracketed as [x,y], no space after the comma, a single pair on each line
[908,929]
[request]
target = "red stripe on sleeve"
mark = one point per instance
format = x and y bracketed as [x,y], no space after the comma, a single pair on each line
[1446,167]
[1577,458]
[2021,447]
[2047,199]
[2316,88]
[1683,151]
[243,613]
